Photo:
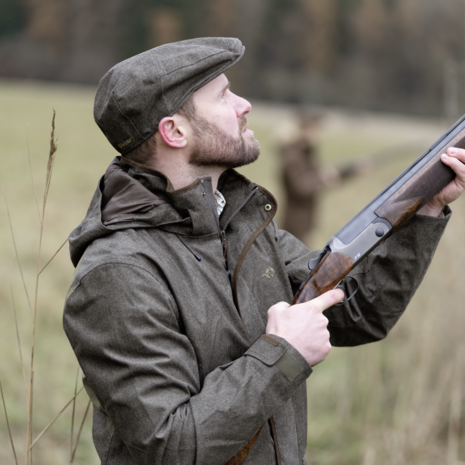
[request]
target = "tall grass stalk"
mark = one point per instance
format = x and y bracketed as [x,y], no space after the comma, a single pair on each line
[55,419]
[8,425]
[74,409]
[29,386]
[53,256]
[73,453]
[32,176]
[17,337]
[30,392]
[48,178]
[16,251]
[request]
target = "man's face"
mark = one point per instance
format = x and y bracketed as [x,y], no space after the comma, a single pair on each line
[221,136]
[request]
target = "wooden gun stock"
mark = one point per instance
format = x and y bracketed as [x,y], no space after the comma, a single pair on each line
[383,216]
[421,188]
[332,268]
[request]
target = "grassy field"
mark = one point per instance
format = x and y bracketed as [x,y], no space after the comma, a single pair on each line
[395,402]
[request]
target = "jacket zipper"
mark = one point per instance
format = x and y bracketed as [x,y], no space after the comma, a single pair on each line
[222,232]
[222,235]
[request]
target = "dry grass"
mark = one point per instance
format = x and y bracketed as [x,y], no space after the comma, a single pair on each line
[395,402]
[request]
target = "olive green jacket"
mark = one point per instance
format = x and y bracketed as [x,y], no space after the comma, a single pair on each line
[170,343]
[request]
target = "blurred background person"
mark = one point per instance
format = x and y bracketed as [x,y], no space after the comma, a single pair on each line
[303,176]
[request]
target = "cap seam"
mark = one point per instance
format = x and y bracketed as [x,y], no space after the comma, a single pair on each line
[127,117]
[200,84]
[192,64]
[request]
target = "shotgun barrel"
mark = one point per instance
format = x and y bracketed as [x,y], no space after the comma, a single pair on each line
[386,213]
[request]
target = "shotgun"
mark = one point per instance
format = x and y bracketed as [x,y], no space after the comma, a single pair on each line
[383,216]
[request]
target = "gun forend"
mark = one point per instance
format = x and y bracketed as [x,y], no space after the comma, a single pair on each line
[389,210]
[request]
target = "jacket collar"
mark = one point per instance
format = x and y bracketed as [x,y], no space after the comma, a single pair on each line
[194,214]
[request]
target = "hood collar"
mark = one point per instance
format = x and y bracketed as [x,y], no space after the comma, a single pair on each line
[184,211]
[190,201]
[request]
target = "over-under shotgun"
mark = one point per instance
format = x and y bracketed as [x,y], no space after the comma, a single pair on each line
[386,213]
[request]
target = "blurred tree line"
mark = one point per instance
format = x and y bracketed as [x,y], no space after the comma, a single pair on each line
[391,55]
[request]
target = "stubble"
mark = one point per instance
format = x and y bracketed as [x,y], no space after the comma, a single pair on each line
[214,147]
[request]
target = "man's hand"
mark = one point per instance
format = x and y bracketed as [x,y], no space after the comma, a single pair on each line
[455,159]
[304,326]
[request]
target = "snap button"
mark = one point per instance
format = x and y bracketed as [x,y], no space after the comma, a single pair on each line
[268,207]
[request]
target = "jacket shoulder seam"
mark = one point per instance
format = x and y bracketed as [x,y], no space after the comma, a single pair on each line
[176,315]
[119,263]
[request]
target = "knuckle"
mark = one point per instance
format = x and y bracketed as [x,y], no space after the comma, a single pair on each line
[277,307]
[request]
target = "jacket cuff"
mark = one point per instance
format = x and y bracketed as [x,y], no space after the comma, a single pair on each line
[276,352]
[445,213]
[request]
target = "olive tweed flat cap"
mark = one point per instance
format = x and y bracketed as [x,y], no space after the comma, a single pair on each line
[136,94]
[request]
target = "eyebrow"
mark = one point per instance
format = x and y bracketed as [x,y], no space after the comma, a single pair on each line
[225,88]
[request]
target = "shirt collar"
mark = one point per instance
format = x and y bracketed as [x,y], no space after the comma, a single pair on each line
[220,202]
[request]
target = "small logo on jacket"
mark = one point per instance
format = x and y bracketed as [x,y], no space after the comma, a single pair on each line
[269,273]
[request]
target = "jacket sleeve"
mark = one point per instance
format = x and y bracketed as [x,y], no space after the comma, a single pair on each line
[388,278]
[143,371]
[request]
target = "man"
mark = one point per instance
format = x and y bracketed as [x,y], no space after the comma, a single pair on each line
[303,178]
[177,311]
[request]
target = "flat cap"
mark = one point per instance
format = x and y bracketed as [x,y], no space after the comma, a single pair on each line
[136,94]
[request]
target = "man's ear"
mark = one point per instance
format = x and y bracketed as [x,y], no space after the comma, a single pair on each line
[173,131]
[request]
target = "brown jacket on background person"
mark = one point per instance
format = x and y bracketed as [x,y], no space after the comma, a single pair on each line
[302,180]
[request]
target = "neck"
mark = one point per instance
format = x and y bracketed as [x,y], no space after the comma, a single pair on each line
[176,167]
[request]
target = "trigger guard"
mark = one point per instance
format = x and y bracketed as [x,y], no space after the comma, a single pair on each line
[353,293]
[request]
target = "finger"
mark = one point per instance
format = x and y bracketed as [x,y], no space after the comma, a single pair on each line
[456,153]
[456,164]
[328,299]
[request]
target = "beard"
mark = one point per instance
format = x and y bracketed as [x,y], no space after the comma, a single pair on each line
[214,147]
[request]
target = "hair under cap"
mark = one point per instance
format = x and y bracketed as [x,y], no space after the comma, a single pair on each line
[136,94]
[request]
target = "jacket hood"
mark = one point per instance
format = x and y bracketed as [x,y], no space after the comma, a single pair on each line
[123,195]
[132,196]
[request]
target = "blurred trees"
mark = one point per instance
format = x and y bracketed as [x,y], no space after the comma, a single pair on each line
[395,55]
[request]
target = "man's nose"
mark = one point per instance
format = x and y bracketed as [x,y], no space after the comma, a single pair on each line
[242,106]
